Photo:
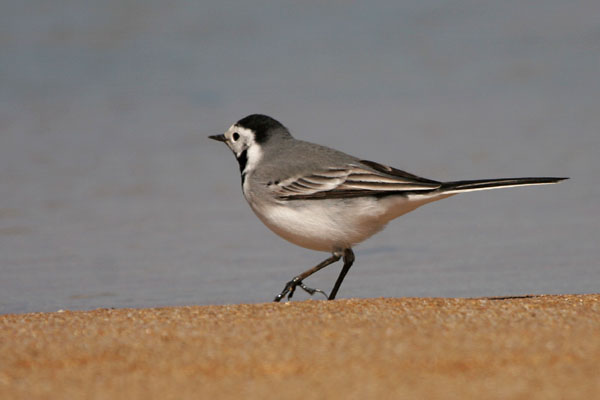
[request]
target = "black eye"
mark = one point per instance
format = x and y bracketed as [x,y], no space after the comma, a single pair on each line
[235,136]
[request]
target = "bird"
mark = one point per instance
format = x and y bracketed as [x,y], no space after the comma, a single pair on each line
[325,200]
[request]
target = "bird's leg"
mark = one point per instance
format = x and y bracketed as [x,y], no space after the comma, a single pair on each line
[290,287]
[348,260]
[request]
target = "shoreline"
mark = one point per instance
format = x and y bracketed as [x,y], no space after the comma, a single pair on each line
[538,346]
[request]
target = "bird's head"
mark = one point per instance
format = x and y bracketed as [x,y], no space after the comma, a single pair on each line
[249,135]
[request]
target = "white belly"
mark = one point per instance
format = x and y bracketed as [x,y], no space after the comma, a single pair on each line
[333,225]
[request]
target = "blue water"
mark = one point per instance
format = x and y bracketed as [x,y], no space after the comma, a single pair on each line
[112,196]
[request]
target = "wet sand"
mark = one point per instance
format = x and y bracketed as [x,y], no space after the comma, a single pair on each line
[545,347]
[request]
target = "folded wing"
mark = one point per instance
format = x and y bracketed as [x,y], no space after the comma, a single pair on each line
[363,178]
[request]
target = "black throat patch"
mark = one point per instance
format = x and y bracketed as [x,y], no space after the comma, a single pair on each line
[243,160]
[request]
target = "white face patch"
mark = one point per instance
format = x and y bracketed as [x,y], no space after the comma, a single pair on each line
[239,139]
[248,153]
[254,154]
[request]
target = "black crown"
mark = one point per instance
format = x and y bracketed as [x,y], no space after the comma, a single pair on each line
[262,125]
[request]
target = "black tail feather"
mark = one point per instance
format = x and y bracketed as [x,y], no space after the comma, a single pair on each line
[483,184]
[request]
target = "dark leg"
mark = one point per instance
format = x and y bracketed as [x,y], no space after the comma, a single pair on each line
[290,287]
[348,260]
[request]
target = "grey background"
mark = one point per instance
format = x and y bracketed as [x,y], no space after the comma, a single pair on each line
[112,196]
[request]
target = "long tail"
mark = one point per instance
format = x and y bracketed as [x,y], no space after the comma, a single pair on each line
[486,184]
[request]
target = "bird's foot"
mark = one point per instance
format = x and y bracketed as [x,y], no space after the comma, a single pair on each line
[290,288]
[312,291]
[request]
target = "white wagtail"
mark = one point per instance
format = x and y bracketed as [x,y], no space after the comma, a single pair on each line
[325,200]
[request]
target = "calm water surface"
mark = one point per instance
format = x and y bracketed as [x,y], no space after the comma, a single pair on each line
[112,196]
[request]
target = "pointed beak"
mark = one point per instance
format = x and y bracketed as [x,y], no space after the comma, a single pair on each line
[219,138]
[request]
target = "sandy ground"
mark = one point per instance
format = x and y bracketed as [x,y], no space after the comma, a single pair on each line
[545,347]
